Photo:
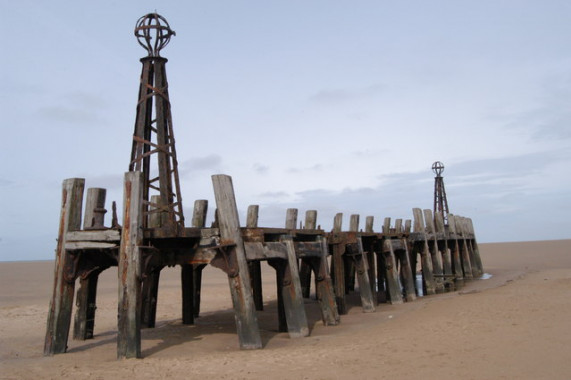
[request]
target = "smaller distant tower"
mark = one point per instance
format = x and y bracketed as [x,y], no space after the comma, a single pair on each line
[440,202]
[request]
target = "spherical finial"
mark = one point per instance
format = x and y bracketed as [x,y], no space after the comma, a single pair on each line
[153,33]
[438,168]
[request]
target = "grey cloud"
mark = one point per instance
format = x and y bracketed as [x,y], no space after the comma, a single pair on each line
[210,162]
[337,96]
[261,169]
[69,115]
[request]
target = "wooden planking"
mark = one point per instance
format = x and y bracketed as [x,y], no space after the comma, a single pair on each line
[239,281]
[59,312]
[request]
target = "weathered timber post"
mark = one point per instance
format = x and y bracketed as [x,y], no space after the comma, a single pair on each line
[279,266]
[191,274]
[232,259]
[290,288]
[369,221]
[360,265]
[455,251]
[464,252]
[475,249]
[59,314]
[255,267]
[406,272]
[150,278]
[325,292]
[129,309]
[338,268]
[304,267]
[442,245]
[84,322]
[421,247]
[392,276]
[434,252]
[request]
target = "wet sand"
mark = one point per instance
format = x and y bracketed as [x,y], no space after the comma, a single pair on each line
[515,324]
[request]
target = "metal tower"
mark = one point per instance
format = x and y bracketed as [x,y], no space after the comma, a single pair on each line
[153,151]
[440,201]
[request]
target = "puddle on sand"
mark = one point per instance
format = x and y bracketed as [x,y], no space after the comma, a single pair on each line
[485,276]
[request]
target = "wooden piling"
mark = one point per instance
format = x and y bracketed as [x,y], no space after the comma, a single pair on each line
[455,252]
[359,261]
[235,256]
[392,276]
[254,267]
[421,247]
[129,310]
[304,266]
[85,301]
[464,251]
[442,244]
[475,249]
[59,313]
[370,254]
[338,267]
[434,251]
[291,295]
[191,275]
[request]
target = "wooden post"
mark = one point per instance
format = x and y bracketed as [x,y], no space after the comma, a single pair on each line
[324,287]
[369,221]
[282,271]
[151,276]
[129,313]
[442,244]
[464,252]
[255,266]
[475,249]
[235,256]
[425,258]
[339,267]
[291,296]
[59,313]
[434,251]
[407,274]
[455,251]
[392,276]
[191,275]
[85,301]
[360,267]
[304,266]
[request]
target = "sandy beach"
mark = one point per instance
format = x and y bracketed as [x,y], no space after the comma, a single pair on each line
[514,325]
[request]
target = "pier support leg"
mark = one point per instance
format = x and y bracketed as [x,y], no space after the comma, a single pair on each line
[129,309]
[233,256]
[59,314]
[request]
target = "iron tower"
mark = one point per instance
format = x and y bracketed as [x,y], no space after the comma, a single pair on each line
[440,201]
[153,151]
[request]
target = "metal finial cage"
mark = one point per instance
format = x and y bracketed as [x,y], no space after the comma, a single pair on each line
[153,33]
[438,168]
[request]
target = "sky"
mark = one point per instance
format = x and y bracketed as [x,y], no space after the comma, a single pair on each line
[336,106]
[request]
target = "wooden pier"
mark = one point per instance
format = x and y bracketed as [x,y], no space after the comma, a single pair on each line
[381,266]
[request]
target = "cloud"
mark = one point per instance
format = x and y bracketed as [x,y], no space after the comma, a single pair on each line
[339,96]
[210,162]
[261,169]
[5,182]
[69,115]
